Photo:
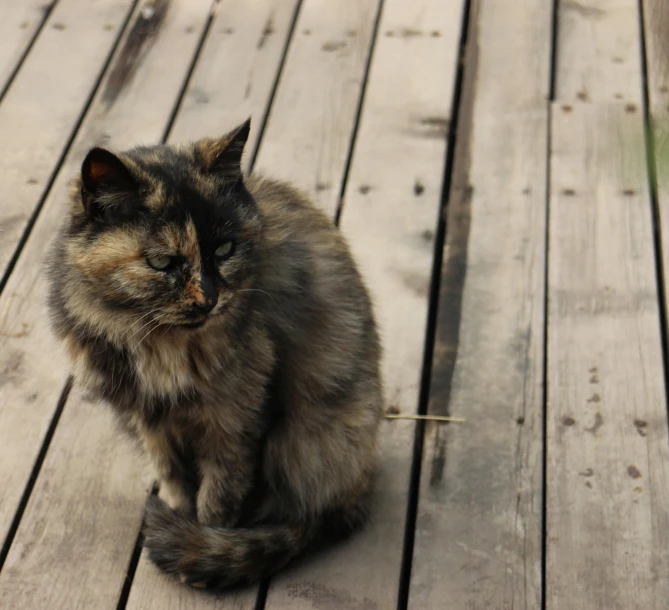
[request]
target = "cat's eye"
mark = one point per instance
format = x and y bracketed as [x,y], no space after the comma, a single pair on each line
[160,262]
[224,249]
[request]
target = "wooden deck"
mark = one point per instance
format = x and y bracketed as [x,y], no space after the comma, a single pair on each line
[492,166]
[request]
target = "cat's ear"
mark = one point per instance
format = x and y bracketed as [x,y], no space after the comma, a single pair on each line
[103,172]
[224,155]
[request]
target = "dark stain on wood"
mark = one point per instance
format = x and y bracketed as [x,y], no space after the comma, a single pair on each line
[588,472]
[594,398]
[320,597]
[333,45]
[322,186]
[418,187]
[583,95]
[629,108]
[364,189]
[415,282]
[641,426]
[12,370]
[633,472]
[438,463]
[568,421]
[433,127]
[138,42]
[566,108]
[199,96]
[405,33]
[268,30]
[454,267]
[59,26]
[598,423]
[520,420]
[393,410]
[568,192]
[629,192]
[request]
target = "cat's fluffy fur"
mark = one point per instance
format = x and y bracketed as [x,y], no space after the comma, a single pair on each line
[251,380]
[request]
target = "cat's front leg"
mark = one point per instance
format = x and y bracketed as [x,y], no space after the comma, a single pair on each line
[225,480]
[175,488]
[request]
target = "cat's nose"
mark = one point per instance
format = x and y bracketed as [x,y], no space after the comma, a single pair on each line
[209,296]
[205,306]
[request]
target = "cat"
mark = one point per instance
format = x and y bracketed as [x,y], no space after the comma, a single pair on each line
[224,320]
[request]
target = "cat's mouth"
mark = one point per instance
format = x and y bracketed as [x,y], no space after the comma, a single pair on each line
[194,324]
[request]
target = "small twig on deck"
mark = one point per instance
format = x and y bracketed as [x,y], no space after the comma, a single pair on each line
[427,417]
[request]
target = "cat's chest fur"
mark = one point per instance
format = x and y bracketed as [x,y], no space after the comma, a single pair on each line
[165,367]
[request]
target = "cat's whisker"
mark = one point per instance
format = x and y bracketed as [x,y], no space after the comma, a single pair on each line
[154,310]
[147,334]
[145,325]
[257,290]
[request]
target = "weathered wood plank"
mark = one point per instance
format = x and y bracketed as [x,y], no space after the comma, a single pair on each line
[63,66]
[85,510]
[19,22]
[237,70]
[478,528]
[598,51]
[308,134]
[233,79]
[391,208]
[607,510]
[608,457]
[76,538]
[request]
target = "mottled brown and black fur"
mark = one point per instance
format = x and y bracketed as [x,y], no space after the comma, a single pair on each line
[224,320]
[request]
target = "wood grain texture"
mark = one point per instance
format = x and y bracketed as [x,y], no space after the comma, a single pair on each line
[63,67]
[391,208]
[33,373]
[233,79]
[608,459]
[19,22]
[598,49]
[478,528]
[309,130]
[80,526]
[237,70]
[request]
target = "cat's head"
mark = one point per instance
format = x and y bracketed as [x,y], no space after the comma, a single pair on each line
[164,235]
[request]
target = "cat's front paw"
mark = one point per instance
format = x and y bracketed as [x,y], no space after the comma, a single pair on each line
[176,497]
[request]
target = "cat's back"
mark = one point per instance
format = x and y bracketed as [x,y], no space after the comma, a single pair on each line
[304,250]
[317,303]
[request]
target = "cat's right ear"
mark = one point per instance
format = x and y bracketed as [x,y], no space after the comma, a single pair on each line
[103,172]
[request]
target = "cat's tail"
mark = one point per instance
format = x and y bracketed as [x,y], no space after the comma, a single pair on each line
[216,557]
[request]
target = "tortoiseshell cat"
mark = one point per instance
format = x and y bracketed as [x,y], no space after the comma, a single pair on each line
[224,320]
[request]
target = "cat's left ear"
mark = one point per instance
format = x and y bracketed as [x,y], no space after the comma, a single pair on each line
[102,172]
[224,155]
